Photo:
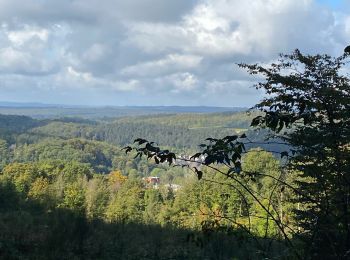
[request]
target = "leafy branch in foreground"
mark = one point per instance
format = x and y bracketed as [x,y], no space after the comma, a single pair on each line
[227,151]
[224,156]
[152,152]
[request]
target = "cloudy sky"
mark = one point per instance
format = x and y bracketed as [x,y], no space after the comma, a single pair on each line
[155,52]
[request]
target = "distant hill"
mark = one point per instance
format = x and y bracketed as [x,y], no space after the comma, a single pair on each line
[25,105]
[50,111]
[177,130]
[17,124]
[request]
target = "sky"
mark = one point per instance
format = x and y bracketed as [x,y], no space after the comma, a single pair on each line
[156,52]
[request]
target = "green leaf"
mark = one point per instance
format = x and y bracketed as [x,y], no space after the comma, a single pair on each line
[127,149]
[140,141]
[199,173]
[195,155]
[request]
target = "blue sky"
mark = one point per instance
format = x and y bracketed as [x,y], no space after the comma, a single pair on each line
[335,4]
[155,52]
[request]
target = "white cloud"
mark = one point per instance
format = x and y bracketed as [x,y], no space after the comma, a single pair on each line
[17,62]
[182,82]
[182,52]
[31,50]
[12,57]
[347,25]
[130,85]
[249,28]
[75,79]
[20,37]
[95,53]
[170,64]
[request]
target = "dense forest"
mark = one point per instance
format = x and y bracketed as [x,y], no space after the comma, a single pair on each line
[269,184]
[70,175]
[59,209]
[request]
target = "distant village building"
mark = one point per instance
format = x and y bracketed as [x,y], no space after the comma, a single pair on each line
[154,181]
[173,187]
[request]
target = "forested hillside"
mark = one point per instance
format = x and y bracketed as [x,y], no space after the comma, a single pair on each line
[180,131]
[71,175]
[99,143]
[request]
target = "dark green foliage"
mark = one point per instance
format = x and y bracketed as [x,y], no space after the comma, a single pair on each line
[17,124]
[10,126]
[165,135]
[132,222]
[182,132]
[4,153]
[96,154]
[310,95]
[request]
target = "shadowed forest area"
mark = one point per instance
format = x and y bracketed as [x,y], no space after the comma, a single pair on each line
[29,231]
[63,210]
